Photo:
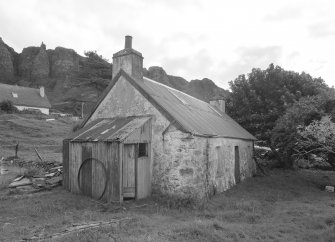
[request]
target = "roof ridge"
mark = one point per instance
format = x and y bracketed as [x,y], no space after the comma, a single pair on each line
[17,86]
[175,90]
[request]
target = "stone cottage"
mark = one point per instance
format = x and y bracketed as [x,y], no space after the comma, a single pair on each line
[193,149]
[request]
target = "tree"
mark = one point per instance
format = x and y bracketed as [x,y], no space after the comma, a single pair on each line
[258,100]
[317,138]
[302,113]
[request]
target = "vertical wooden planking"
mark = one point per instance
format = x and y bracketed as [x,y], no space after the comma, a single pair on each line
[129,170]
[98,174]
[66,164]
[75,166]
[120,161]
[102,156]
[86,170]
[113,172]
[94,171]
[143,184]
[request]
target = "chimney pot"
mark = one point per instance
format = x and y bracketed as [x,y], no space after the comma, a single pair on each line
[128,42]
[42,93]
[219,104]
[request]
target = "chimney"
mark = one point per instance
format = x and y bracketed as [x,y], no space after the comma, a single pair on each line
[129,60]
[42,93]
[219,104]
[128,42]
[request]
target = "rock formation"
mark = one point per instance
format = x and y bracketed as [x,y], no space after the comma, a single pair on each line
[26,60]
[204,89]
[6,64]
[64,62]
[40,68]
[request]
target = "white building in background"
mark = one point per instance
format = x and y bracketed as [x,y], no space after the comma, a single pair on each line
[25,97]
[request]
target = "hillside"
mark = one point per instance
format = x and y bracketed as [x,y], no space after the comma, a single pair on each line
[33,131]
[71,79]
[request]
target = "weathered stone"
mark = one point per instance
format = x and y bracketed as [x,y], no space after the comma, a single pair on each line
[186,172]
[26,60]
[64,62]
[6,64]
[40,67]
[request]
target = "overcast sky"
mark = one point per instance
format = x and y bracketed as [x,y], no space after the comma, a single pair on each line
[194,39]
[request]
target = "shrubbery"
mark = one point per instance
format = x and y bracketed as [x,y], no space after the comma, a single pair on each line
[7,106]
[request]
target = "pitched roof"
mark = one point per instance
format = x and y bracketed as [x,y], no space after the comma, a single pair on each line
[187,113]
[109,129]
[23,96]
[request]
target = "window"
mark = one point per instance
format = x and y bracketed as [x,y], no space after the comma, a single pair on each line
[142,149]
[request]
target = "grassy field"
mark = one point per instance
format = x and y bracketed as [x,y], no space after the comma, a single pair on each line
[33,131]
[282,206]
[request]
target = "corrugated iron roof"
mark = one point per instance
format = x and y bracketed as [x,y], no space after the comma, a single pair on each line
[196,116]
[188,113]
[109,129]
[23,96]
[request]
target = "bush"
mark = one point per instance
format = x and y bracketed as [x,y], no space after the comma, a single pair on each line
[76,127]
[8,107]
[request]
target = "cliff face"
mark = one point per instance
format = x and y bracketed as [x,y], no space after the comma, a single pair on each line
[41,67]
[71,79]
[204,89]
[34,63]
[6,64]
[64,62]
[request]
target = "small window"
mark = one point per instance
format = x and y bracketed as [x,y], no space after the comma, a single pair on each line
[142,149]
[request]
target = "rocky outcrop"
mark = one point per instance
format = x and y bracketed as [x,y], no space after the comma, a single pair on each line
[64,62]
[26,60]
[40,67]
[34,63]
[158,74]
[6,64]
[204,89]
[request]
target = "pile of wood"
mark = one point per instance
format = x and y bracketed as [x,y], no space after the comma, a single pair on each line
[50,179]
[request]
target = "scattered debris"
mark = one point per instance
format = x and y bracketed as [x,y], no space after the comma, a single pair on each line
[50,178]
[329,189]
[80,227]
[50,174]
[38,155]
[18,178]
[22,182]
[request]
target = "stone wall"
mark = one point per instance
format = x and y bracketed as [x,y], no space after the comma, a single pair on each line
[222,162]
[180,166]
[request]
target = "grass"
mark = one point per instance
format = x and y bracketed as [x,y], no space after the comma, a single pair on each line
[33,131]
[284,206]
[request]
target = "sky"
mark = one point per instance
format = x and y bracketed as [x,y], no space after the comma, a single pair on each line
[194,39]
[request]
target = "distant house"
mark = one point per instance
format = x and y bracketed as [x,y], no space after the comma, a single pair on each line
[25,97]
[144,137]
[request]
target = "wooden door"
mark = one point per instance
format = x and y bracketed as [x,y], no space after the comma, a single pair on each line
[128,171]
[143,182]
[237,165]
